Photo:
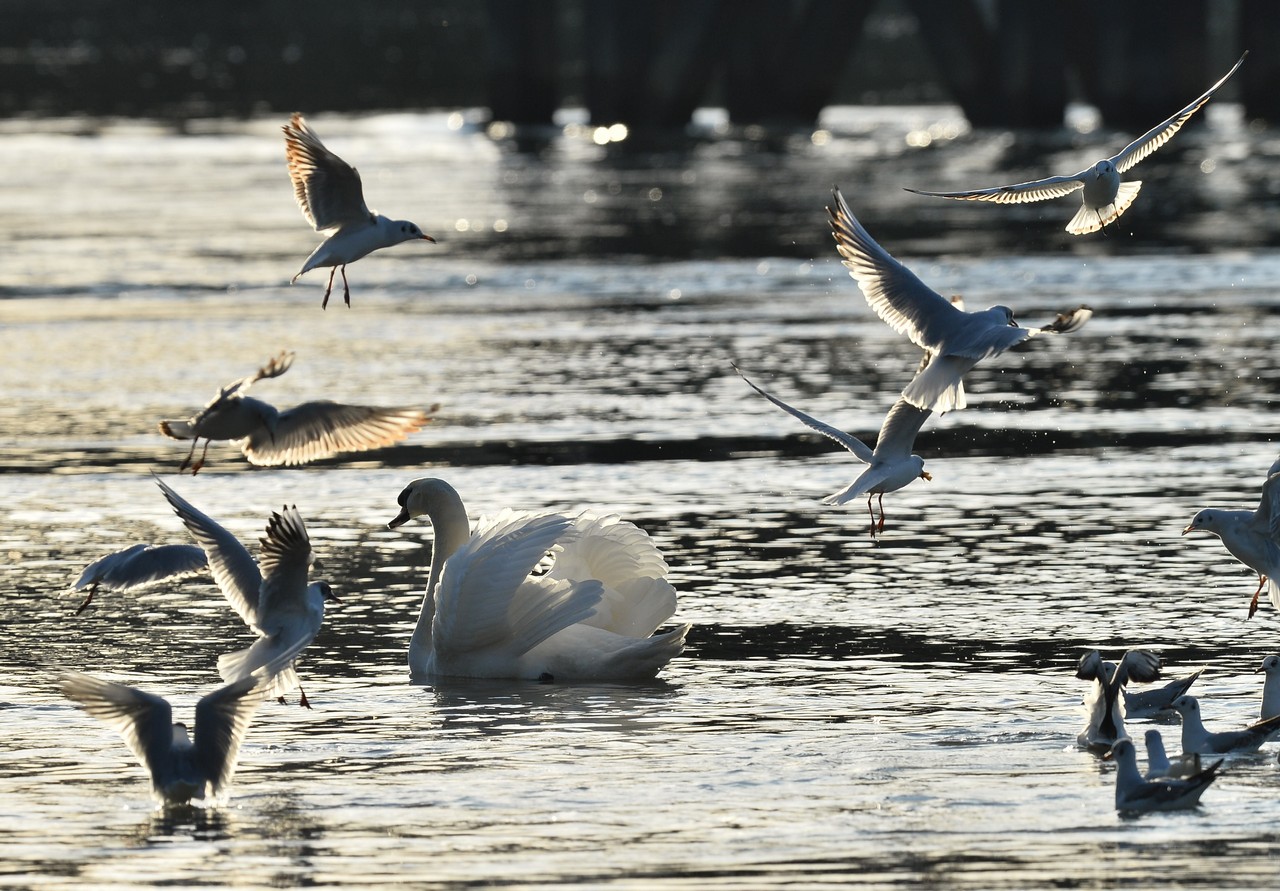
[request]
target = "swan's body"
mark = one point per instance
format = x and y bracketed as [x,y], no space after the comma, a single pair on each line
[1252,537]
[1104,195]
[307,432]
[273,596]
[590,617]
[1135,794]
[331,197]
[181,769]
[137,567]
[954,339]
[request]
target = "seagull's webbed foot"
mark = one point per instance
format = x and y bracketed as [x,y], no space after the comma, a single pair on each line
[880,525]
[1253,602]
[303,700]
[328,289]
[195,468]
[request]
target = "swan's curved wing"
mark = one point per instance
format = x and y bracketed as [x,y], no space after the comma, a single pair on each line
[481,580]
[1017,193]
[222,719]
[233,569]
[860,449]
[906,304]
[327,188]
[315,430]
[145,721]
[1161,133]
[898,432]
[284,561]
[142,565]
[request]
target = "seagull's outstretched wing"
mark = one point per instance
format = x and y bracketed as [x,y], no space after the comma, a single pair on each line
[327,188]
[898,432]
[1161,133]
[222,719]
[1017,193]
[315,430]
[142,565]
[852,443]
[145,721]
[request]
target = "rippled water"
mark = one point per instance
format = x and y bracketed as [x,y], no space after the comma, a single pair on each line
[900,714]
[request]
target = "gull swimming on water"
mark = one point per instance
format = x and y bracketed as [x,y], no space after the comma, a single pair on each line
[1105,197]
[486,614]
[307,432]
[953,340]
[1270,687]
[272,595]
[138,567]
[1134,794]
[891,464]
[1252,537]
[1104,704]
[181,768]
[331,197]
[1148,703]
[1158,763]
[1196,738]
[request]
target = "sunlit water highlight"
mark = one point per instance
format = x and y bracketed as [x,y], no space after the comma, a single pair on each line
[847,713]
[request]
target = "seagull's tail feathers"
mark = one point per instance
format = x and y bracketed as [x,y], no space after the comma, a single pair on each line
[177,429]
[861,486]
[1273,592]
[265,660]
[1088,219]
[939,385]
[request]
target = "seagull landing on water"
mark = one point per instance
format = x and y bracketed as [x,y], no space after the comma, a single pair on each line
[892,466]
[1105,197]
[329,192]
[181,768]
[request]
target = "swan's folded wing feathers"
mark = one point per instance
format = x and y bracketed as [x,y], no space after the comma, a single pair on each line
[315,430]
[607,548]
[905,303]
[144,721]
[636,607]
[231,565]
[544,607]
[222,719]
[480,579]
[1017,193]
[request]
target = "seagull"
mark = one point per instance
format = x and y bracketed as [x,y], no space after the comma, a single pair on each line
[299,435]
[1270,687]
[953,339]
[1135,794]
[1159,765]
[892,466]
[1252,537]
[181,768]
[329,193]
[1148,703]
[271,596]
[1195,738]
[138,567]
[1103,704]
[1105,196]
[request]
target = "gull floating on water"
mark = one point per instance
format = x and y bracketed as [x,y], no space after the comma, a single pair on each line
[1105,197]
[891,464]
[299,435]
[1196,738]
[331,197]
[486,614]
[1104,704]
[1252,537]
[271,596]
[181,768]
[1148,703]
[1159,765]
[1133,793]
[1270,687]
[138,567]
[953,340]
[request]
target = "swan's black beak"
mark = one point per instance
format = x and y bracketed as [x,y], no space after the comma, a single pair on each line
[400,520]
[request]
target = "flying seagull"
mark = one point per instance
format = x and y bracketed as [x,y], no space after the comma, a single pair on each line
[1252,537]
[331,197]
[138,567]
[1105,196]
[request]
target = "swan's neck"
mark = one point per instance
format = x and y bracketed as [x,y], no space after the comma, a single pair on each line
[451,530]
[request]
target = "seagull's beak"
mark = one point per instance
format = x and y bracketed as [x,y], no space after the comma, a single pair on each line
[1189,528]
[400,520]
[925,475]
[426,237]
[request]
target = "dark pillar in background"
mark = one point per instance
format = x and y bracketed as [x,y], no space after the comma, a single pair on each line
[1260,75]
[523,81]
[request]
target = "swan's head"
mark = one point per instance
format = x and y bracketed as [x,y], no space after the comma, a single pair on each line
[424,497]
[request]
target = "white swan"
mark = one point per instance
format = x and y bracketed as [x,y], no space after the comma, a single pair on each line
[487,614]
